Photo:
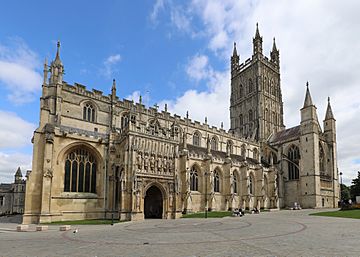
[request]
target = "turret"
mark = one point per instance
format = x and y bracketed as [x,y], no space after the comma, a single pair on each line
[330,124]
[308,113]
[234,59]
[18,175]
[274,54]
[257,42]
[57,68]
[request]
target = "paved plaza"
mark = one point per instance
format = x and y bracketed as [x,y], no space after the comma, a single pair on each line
[281,233]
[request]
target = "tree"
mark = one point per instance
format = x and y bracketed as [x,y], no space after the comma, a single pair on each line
[345,193]
[355,187]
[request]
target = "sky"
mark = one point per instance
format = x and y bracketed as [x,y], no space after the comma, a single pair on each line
[178,52]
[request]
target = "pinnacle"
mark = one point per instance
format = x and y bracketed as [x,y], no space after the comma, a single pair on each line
[308,101]
[329,114]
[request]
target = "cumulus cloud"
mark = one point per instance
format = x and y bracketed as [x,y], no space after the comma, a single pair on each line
[109,65]
[318,43]
[9,164]
[14,131]
[18,71]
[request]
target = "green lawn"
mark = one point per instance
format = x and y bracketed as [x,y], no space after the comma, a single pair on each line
[354,214]
[83,222]
[211,214]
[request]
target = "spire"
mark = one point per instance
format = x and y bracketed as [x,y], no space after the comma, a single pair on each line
[140,99]
[235,51]
[257,42]
[329,114]
[274,49]
[46,70]
[257,33]
[18,172]
[308,101]
[113,90]
[57,58]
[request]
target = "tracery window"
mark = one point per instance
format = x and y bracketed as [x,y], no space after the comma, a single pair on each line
[293,162]
[216,181]
[80,172]
[194,181]
[89,112]
[213,144]
[197,139]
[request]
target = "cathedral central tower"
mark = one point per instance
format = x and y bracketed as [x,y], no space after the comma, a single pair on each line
[256,107]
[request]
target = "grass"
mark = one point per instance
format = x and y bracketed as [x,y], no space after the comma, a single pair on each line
[82,222]
[212,214]
[354,214]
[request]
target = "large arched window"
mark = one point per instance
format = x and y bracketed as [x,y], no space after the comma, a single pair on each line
[194,180]
[89,112]
[214,144]
[321,158]
[293,161]
[216,181]
[80,172]
[197,139]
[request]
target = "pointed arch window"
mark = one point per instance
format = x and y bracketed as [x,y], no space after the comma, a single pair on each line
[216,181]
[80,172]
[241,119]
[250,86]
[214,144]
[243,151]
[235,184]
[194,181]
[89,112]
[293,162]
[250,115]
[321,159]
[251,185]
[197,139]
[241,91]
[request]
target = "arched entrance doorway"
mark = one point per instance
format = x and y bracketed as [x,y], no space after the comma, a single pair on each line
[153,203]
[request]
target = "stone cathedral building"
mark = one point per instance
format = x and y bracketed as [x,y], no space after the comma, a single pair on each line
[96,156]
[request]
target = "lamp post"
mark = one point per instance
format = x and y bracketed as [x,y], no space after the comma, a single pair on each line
[340,185]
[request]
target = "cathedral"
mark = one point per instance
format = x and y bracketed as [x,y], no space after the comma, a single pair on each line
[96,156]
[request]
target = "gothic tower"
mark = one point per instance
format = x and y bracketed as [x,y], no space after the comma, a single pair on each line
[256,107]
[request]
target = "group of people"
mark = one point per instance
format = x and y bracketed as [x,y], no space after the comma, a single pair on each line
[240,212]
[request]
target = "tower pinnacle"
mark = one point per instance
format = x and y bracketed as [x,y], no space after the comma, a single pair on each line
[308,100]
[257,42]
[57,58]
[329,114]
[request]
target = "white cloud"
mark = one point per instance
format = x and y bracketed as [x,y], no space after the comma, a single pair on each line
[14,131]
[18,72]
[318,43]
[134,96]
[158,6]
[9,164]
[109,69]
[198,68]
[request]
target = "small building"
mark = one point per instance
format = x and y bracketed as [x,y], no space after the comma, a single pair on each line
[12,195]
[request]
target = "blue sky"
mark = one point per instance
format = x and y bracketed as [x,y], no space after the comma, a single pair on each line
[177,52]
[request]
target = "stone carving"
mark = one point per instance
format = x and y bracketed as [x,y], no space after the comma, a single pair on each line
[152,163]
[48,173]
